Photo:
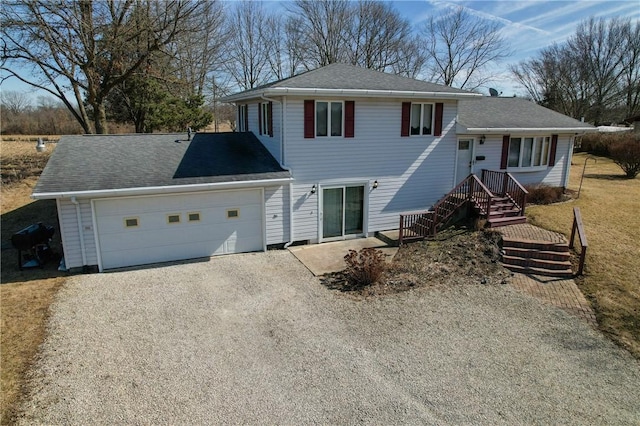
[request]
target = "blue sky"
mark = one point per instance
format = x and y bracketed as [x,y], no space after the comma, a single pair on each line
[528,26]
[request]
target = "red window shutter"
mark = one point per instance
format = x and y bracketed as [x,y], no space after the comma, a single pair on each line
[406,118]
[259,118]
[505,152]
[309,118]
[349,119]
[554,147]
[246,117]
[437,126]
[270,115]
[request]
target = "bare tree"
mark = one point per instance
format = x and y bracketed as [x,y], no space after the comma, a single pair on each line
[198,53]
[594,75]
[458,46]
[15,102]
[381,39]
[595,48]
[320,30]
[631,68]
[74,48]
[247,54]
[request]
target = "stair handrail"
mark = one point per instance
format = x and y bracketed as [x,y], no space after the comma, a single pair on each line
[504,184]
[475,191]
[577,224]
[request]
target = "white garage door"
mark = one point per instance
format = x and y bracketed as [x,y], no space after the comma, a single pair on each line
[140,230]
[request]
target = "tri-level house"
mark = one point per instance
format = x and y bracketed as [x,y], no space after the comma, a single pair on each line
[334,153]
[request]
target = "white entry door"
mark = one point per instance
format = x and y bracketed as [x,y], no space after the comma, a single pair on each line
[464,159]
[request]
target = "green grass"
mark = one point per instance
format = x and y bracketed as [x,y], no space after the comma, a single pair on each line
[610,208]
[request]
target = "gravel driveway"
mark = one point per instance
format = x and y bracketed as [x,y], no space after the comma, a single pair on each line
[256,339]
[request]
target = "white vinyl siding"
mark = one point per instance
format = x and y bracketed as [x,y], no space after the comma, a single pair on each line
[553,175]
[276,200]
[271,143]
[411,175]
[70,233]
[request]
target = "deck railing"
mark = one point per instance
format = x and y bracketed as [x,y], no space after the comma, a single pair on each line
[503,184]
[417,225]
[577,225]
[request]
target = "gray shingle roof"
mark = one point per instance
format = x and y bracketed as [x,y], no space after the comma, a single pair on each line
[349,77]
[512,113]
[102,162]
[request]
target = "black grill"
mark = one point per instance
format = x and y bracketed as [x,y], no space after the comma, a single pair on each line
[34,239]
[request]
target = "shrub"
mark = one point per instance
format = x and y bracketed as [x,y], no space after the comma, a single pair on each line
[364,267]
[544,194]
[626,154]
[601,143]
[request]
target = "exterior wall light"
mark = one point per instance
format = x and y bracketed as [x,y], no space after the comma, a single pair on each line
[313,189]
[375,184]
[482,139]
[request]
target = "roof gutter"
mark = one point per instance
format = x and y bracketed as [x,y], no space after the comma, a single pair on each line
[361,93]
[506,130]
[158,190]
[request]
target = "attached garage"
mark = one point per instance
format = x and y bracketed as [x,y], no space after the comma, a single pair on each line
[141,230]
[128,200]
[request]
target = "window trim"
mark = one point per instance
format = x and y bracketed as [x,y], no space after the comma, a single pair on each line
[170,222]
[315,118]
[136,218]
[433,116]
[264,117]
[243,111]
[538,140]
[194,220]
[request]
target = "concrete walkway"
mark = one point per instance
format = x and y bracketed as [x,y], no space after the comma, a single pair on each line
[559,292]
[325,258]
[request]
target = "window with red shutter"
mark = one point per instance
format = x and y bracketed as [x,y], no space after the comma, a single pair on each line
[349,119]
[437,126]
[406,117]
[309,119]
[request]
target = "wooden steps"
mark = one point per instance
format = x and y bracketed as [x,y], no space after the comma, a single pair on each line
[536,257]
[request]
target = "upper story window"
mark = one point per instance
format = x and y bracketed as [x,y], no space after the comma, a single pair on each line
[421,119]
[527,152]
[265,118]
[243,118]
[329,118]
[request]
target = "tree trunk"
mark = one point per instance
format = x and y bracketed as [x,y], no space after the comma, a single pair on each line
[100,119]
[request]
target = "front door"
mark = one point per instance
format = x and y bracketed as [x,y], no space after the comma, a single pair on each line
[463,163]
[342,211]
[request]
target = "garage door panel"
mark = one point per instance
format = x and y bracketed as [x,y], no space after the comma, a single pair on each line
[155,240]
[208,217]
[173,202]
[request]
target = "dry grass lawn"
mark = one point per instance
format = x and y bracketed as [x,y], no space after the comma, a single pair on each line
[610,208]
[25,296]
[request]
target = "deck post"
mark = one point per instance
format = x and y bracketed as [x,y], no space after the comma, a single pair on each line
[505,183]
[400,229]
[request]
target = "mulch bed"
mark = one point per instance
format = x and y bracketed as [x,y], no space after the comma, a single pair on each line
[459,256]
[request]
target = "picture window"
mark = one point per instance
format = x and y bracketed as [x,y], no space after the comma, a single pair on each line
[529,152]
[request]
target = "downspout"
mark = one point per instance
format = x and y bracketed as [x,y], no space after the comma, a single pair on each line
[283,105]
[80,233]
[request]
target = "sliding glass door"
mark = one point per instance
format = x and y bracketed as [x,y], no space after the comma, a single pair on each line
[342,211]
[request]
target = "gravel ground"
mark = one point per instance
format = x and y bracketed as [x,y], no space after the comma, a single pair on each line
[255,339]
